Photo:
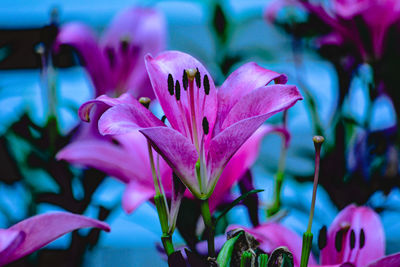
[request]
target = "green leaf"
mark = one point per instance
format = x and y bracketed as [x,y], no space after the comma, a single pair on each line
[224,256]
[236,201]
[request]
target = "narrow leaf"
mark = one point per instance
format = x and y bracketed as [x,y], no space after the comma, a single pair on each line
[224,256]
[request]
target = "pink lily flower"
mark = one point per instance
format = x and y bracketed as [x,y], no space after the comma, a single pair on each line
[115,61]
[207,127]
[356,238]
[34,233]
[129,161]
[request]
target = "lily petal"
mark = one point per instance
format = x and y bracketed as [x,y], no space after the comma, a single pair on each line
[102,101]
[388,261]
[174,63]
[10,240]
[369,237]
[135,194]
[42,229]
[126,118]
[241,82]
[82,38]
[268,99]
[241,161]
[180,154]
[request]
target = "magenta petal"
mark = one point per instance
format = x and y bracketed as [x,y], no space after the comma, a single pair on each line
[101,155]
[357,219]
[241,82]
[174,63]
[388,261]
[104,100]
[264,100]
[42,229]
[10,240]
[126,118]
[241,161]
[273,235]
[135,194]
[82,38]
[177,151]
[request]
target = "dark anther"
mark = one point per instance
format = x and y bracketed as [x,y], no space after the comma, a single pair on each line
[322,238]
[352,239]
[170,84]
[339,240]
[163,118]
[177,90]
[205,126]
[198,78]
[111,56]
[185,80]
[124,45]
[362,238]
[206,84]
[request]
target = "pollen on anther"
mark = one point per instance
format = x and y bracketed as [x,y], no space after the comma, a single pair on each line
[352,239]
[177,90]
[322,238]
[206,84]
[185,81]
[170,84]
[339,240]
[198,78]
[206,127]
[362,238]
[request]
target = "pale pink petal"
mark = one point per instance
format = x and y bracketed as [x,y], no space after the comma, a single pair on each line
[42,229]
[174,63]
[135,194]
[241,82]
[177,151]
[126,118]
[359,220]
[82,38]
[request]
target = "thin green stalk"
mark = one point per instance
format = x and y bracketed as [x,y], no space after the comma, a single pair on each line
[209,223]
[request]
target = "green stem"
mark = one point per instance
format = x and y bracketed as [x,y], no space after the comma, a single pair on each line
[167,243]
[153,168]
[208,221]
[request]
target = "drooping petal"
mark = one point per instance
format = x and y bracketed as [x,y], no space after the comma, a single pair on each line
[10,240]
[135,194]
[263,100]
[273,235]
[241,161]
[82,38]
[104,156]
[132,34]
[180,154]
[174,63]
[103,100]
[241,82]
[388,261]
[266,102]
[42,229]
[126,118]
[365,227]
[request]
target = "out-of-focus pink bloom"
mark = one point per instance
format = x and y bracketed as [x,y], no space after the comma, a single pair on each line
[342,16]
[207,126]
[273,235]
[115,61]
[356,237]
[34,233]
